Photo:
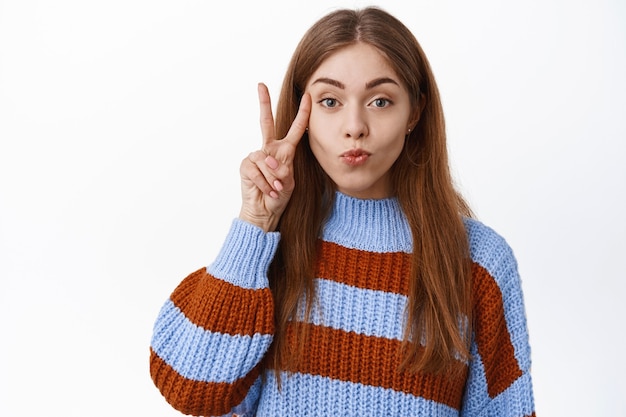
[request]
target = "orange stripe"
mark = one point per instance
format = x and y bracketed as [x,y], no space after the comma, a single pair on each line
[219,306]
[375,271]
[374,361]
[196,397]
[492,336]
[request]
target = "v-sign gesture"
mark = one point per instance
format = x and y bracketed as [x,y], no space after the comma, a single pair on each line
[267,174]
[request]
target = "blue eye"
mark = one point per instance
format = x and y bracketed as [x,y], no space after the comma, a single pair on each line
[381,102]
[329,102]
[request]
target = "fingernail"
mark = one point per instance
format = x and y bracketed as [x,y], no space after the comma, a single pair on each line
[273,194]
[278,185]
[271,162]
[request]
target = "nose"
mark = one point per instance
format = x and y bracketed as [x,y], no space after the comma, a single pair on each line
[355,124]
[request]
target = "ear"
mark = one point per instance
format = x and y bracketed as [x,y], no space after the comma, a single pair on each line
[417,112]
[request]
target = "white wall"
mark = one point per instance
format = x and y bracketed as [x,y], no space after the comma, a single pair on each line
[122,124]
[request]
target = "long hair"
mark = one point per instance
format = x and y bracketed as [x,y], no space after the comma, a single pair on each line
[439,313]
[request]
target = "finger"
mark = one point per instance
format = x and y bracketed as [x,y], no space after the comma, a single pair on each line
[265,172]
[254,171]
[276,171]
[266,116]
[300,123]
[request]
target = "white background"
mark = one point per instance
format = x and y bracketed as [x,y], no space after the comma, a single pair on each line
[122,125]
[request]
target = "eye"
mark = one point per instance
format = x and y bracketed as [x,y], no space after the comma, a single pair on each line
[328,102]
[381,102]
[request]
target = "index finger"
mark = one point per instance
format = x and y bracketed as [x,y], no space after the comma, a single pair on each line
[266,118]
[300,123]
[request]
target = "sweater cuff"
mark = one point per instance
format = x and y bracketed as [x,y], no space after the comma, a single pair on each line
[245,256]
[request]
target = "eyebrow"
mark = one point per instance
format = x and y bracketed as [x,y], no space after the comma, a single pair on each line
[379,81]
[368,86]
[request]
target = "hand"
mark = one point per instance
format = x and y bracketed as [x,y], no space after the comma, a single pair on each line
[267,174]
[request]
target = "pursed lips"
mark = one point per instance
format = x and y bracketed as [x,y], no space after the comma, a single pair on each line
[355,157]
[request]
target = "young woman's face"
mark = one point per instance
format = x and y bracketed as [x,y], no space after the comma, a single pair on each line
[360,116]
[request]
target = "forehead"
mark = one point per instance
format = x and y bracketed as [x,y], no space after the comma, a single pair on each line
[355,65]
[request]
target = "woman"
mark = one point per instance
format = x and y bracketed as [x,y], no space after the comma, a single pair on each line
[354,281]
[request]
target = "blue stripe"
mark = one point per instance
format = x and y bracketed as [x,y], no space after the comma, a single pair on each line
[516,400]
[358,310]
[491,251]
[370,225]
[304,395]
[201,355]
[245,256]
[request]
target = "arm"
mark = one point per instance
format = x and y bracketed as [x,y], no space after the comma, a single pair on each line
[499,381]
[212,334]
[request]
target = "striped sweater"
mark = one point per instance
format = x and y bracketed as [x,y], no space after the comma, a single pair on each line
[212,334]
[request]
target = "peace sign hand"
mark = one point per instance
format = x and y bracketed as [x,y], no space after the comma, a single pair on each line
[267,174]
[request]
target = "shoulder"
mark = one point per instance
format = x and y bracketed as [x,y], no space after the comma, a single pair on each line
[490,250]
[483,239]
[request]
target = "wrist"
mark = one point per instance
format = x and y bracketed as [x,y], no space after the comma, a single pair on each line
[266,223]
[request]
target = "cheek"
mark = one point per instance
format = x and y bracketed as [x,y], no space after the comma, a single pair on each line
[395,139]
[396,146]
[314,143]
[320,134]
[318,123]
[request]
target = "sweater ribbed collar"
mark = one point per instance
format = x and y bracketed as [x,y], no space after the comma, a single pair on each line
[368,224]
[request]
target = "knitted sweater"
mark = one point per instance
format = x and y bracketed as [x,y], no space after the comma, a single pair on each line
[212,334]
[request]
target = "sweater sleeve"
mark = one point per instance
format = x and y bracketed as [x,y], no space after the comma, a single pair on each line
[211,335]
[499,381]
